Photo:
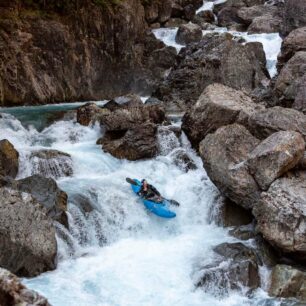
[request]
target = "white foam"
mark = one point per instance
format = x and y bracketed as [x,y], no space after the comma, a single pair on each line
[167,35]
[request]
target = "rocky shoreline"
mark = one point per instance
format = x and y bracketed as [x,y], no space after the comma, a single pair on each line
[249,129]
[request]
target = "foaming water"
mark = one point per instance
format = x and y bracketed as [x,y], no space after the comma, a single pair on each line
[117,253]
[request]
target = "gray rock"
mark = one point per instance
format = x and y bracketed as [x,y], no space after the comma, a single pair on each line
[265,24]
[274,156]
[281,215]
[300,97]
[224,155]
[9,162]
[287,281]
[13,292]
[27,236]
[243,232]
[217,106]
[47,193]
[188,33]
[248,14]
[183,160]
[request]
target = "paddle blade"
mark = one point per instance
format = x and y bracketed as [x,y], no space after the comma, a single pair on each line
[173,202]
[131,181]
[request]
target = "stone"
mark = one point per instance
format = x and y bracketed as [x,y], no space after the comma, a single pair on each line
[13,292]
[9,159]
[224,154]
[248,14]
[86,114]
[217,106]
[287,281]
[243,232]
[274,156]
[300,97]
[181,159]
[281,216]
[188,33]
[265,24]
[174,22]
[27,236]
[207,16]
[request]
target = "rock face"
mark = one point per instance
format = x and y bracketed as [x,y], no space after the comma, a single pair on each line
[13,292]
[9,163]
[188,33]
[217,106]
[27,237]
[294,15]
[291,79]
[268,121]
[137,143]
[51,163]
[215,59]
[80,45]
[240,270]
[274,156]
[281,216]
[288,282]
[47,193]
[224,155]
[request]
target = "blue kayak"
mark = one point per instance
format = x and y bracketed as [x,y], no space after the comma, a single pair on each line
[159,209]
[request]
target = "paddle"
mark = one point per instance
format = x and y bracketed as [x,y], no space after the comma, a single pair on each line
[172,202]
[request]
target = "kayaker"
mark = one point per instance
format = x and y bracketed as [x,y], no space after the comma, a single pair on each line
[149,192]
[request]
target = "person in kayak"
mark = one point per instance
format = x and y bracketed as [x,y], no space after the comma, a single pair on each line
[149,192]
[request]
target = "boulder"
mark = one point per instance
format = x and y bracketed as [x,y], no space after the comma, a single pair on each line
[294,15]
[207,16]
[274,156]
[217,106]
[181,159]
[248,14]
[265,24]
[188,33]
[243,232]
[217,58]
[228,16]
[174,22]
[235,268]
[51,163]
[136,143]
[13,292]
[294,42]
[224,154]
[281,215]
[86,114]
[289,80]
[268,121]
[130,100]
[27,236]
[287,281]
[300,98]
[9,162]
[47,193]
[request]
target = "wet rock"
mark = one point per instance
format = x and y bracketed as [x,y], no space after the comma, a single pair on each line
[130,100]
[9,162]
[294,15]
[268,121]
[189,11]
[51,163]
[287,281]
[274,156]
[228,16]
[217,58]
[267,254]
[84,202]
[224,154]
[174,22]
[207,16]
[136,143]
[47,193]
[294,42]
[236,268]
[183,160]
[243,232]
[188,33]
[27,236]
[13,292]
[290,78]
[153,101]
[217,106]
[165,57]
[168,139]
[87,113]
[280,214]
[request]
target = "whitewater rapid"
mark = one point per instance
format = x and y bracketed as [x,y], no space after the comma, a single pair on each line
[119,254]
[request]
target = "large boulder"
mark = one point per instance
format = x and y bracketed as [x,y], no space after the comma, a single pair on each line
[47,193]
[217,58]
[287,281]
[224,154]
[86,114]
[136,143]
[281,215]
[51,163]
[188,33]
[294,42]
[13,292]
[248,14]
[265,24]
[294,15]
[268,121]
[236,266]
[274,156]
[9,163]
[27,236]
[217,106]
[289,81]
